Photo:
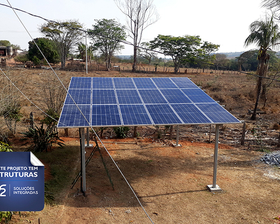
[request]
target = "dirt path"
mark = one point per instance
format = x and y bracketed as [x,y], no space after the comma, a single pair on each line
[171,184]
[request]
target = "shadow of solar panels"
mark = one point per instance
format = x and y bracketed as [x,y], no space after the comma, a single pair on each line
[163,114]
[135,115]
[105,115]
[190,114]
[81,96]
[217,113]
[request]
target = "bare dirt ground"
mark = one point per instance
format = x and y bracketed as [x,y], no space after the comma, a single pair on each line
[171,185]
[170,182]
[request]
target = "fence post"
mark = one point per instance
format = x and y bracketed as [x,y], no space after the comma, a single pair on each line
[243,134]
[31,121]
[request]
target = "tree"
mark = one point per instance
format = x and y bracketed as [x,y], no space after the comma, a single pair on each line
[205,56]
[106,36]
[140,14]
[82,51]
[183,50]
[273,5]
[146,53]
[5,43]
[48,48]
[266,35]
[65,35]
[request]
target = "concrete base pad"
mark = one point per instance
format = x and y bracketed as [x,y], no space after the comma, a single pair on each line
[212,189]
[177,145]
[89,146]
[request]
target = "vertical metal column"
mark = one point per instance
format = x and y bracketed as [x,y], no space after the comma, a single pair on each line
[87,137]
[83,160]
[177,137]
[215,187]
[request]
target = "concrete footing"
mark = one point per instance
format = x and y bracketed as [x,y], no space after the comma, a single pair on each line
[212,189]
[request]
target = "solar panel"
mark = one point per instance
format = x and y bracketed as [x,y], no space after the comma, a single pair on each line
[107,101]
[135,115]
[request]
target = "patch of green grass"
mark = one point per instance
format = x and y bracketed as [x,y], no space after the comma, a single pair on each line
[62,162]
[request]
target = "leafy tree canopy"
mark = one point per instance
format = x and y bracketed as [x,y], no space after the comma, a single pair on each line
[47,46]
[65,35]
[183,50]
[106,36]
[5,43]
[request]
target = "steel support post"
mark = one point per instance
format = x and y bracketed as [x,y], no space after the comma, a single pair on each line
[83,160]
[215,187]
[87,137]
[177,137]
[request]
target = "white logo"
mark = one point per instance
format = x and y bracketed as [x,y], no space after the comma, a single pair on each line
[2,194]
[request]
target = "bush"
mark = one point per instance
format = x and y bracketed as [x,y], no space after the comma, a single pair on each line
[4,147]
[121,132]
[43,138]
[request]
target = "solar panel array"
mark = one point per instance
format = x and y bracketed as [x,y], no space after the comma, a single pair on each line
[100,102]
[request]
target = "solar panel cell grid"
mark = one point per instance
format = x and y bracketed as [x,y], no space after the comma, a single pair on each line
[139,101]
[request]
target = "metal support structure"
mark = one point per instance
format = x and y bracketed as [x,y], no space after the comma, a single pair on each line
[88,145]
[83,160]
[215,187]
[177,137]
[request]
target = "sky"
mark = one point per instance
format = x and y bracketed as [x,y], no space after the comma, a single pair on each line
[221,22]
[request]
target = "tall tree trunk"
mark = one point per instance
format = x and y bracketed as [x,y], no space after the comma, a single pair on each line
[262,70]
[134,66]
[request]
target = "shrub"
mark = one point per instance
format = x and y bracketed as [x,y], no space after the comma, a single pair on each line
[121,132]
[43,138]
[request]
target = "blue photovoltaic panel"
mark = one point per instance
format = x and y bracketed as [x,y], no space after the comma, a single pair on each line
[152,96]
[105,115]
[144,83]
[163,114]
[164,83]
[184,83]
[102,83]
[80,96]
[128,97]
[190,114]
[135,115]
[217,113]
[103,97]
[123,83]
[198,96]
[175,96]
[80,83]
[107,101]
[72,117]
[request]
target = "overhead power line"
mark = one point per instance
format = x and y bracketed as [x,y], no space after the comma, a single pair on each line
[75,105]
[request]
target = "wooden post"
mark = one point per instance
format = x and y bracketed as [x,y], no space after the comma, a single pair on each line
[243,134]
[210,133]
[135,132]
[31,121]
